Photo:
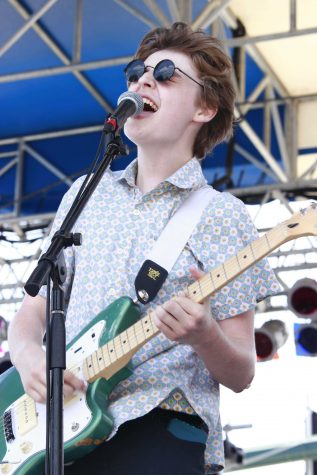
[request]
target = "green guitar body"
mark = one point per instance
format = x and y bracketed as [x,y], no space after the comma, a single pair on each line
[116,318]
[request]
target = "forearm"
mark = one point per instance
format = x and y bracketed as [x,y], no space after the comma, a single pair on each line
[230,359]
[230,362]
[226,347]
[27,327]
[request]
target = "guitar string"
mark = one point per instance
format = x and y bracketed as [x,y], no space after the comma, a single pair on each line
[117,347]
[202,286]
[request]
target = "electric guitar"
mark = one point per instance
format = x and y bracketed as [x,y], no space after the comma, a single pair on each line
[100,355]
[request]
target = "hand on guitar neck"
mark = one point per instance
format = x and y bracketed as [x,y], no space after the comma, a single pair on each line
[190,322]
[183,320]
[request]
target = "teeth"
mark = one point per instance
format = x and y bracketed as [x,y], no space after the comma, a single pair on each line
[150,103]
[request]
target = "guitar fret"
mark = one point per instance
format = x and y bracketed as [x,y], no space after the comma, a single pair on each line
[264,245]
[105,354]
[267,241]
[194,291]
[117,346]
[154,329]
[274,236]
[89,367]
[145,321]
[212,281]
[138,330]
[100,358]
[218,277]
[252,251]
[85,369]
[224,271]
[260,247]
[95,364]
[245,257]
[238,262]
[124,340]
[200,289]
[131,336]
[111,351]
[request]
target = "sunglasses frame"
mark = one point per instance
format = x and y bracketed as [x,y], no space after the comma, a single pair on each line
[141,62]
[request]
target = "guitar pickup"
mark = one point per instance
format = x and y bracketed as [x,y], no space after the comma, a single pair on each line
[25,414]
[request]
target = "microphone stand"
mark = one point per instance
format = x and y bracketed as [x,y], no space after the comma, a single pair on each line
[51,267]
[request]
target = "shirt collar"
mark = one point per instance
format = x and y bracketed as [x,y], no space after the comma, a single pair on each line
[189,176]
[129,173]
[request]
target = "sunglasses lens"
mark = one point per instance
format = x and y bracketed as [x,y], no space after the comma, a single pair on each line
[164,70]
[134,70]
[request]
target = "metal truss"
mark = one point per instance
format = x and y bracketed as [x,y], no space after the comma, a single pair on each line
[23,239]
[20,247]
[215,17]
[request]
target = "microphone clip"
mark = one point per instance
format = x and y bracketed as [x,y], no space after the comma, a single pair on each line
[110,125]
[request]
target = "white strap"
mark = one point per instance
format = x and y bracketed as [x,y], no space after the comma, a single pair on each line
[178,230]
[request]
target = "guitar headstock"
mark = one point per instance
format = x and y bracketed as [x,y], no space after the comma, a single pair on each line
[303,223]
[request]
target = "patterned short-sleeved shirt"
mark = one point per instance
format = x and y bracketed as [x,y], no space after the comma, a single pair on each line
[119,226]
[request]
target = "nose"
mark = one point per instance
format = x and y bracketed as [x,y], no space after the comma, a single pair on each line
[146,80]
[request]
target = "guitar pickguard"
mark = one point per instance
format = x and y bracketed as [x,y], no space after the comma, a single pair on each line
[26,420]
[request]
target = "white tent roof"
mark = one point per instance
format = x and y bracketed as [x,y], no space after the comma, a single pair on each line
[293,58]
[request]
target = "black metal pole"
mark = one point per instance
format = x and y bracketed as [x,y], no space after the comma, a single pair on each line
[49,266]
[58,364]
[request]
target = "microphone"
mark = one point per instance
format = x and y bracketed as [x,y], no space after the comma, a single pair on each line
[129,104]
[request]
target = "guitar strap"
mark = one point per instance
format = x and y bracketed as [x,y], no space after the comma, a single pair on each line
[170,244]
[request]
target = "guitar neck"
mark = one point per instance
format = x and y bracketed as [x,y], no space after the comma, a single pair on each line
[113,356]
[116,354]
[214,280]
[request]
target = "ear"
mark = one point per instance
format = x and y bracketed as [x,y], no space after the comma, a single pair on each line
[205,114]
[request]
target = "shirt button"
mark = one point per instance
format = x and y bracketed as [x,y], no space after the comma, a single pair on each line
[136,212]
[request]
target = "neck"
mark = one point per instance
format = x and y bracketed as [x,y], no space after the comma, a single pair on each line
[155,167]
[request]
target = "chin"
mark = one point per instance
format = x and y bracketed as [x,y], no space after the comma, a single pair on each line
[134,133]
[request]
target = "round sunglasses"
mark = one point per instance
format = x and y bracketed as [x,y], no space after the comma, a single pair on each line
[163,71]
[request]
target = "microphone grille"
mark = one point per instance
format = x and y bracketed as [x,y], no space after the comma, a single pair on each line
[134,97]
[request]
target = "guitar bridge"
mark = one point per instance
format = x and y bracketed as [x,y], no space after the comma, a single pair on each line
[8,426]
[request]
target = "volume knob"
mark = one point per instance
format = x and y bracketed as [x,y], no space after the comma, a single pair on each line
[6,468]
[26,447]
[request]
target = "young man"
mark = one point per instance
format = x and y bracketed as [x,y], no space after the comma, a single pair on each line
[166,415]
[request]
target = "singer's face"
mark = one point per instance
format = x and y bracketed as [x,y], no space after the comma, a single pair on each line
[172,107]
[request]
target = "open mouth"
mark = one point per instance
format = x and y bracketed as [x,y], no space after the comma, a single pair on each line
[149,106]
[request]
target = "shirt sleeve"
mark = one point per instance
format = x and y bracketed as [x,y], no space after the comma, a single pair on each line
[69,256]
[225,228]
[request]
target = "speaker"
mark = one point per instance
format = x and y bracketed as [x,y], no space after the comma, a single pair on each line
[302,299]
[269,338]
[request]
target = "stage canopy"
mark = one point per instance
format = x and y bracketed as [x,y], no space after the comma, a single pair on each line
[61,72]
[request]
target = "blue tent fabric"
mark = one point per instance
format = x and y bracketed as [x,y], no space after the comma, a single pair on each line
[59,102]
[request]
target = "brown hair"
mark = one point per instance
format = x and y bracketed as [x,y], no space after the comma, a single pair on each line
[214,69]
